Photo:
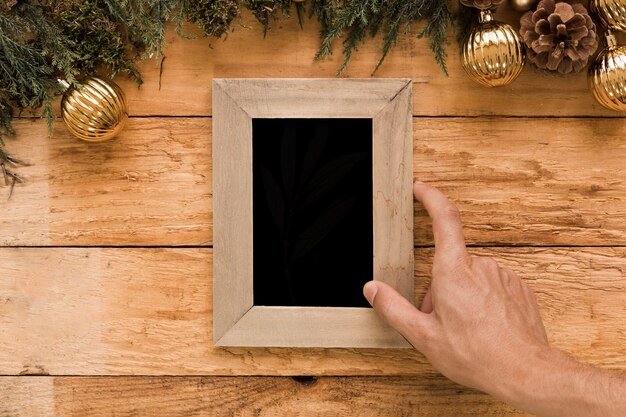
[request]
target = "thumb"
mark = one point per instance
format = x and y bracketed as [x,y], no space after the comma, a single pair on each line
[398,312]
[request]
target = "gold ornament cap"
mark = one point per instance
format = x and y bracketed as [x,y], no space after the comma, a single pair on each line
[493,55]
[607,76]
[95,110]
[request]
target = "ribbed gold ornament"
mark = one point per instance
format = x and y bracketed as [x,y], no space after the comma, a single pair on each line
[94,111]
[607,76]
[612,13]
[493,55]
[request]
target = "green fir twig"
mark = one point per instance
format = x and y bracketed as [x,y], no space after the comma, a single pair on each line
[10,177]
[357,18]
[45,40]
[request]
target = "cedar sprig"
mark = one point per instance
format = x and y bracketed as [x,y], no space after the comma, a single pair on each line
[214,17]
[357,18]
[44,40]
[10,177]
[435,29]
[263,10]
[325,12]
[102,34]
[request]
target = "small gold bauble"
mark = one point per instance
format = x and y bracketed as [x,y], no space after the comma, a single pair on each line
[612,13]
[523,5]
[95,110]
[493,55]
[607,76]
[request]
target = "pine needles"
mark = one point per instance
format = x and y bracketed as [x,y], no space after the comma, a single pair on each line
[360,18]
[44,40]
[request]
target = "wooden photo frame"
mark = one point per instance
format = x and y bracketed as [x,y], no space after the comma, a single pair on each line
[236,103]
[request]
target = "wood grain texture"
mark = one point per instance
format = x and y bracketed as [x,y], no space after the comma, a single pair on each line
[527,181]
[131,311]
[26,397]
[287,51]
[232,162]
[426,396]
[311,97]
[393,193]
[517,182]
[236,102]
[150,186]
[325,327]
[112,311]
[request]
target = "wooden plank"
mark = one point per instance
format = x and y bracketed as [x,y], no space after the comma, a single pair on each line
[287,51]
[325,327]
[312,97]
[517,181]
[233,204]
[527,181]
[26,396]
[110,311]
[150,186]
[393,193]
[424,396]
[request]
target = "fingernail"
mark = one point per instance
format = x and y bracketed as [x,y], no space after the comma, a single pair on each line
[369,291]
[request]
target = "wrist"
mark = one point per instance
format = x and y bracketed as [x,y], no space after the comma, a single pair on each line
[526,375]
[548,382]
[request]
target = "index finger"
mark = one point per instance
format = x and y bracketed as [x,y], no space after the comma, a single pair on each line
[447,228]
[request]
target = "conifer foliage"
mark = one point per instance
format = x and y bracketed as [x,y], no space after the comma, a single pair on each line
[42,41]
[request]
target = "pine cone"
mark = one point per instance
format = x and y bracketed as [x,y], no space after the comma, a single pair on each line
[559,37]
[482,4]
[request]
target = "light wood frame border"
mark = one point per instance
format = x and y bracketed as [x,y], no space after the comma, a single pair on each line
[236,322]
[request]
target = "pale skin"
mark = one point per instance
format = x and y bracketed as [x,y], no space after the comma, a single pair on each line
[479,325]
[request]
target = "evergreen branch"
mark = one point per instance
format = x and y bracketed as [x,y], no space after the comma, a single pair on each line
[396,20]
[324,10]
[435,29]
[357,17]
[43,40]
[213,16]
[346,16]
[10,178]
[263,10]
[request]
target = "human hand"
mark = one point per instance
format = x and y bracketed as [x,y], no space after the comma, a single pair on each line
[480,326]
[479,323]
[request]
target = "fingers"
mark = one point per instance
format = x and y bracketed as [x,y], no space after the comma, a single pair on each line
[447,228]
[398,312]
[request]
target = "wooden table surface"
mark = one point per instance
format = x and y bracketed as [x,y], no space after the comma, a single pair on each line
[106,251]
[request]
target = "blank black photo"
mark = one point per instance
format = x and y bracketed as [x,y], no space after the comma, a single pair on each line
[312,211]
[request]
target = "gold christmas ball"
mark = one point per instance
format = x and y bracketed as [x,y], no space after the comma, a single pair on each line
[607,76]
[493,55]
[523,5]
[95,110]
[612,13]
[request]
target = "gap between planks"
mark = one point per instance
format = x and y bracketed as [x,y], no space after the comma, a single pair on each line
[210,246]
[415,116]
